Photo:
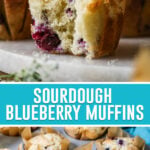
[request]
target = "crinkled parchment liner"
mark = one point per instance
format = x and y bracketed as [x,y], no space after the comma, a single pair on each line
[27,135]
[11,131]
[84,134]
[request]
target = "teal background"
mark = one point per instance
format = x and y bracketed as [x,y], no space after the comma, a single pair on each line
[122,94]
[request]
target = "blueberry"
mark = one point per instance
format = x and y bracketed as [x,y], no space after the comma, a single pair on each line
[81,43]
[80,40]
[70,1]
[46,38]
[69,11]
[120,142]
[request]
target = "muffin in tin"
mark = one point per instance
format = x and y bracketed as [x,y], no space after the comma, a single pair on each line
[86,133]
[47,139]
[116,139]
[135,143]
[120,143]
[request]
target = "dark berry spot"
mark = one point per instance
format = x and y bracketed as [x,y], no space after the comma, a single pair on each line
[46,38]
[69,11]
[70,1]
[120,142]
[81,43]
[33,128]
[107,148]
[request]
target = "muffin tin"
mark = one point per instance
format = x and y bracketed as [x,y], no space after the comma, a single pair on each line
[13,142]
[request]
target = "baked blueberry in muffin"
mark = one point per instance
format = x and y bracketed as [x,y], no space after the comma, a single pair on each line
[90,28]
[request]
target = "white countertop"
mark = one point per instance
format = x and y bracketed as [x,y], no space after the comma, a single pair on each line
[15,56]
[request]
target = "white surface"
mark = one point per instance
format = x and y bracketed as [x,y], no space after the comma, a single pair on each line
[9,142]
[15,56]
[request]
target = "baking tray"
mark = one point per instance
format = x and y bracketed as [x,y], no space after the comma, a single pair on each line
[13,142]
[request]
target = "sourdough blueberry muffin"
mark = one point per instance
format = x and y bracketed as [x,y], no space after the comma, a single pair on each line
[115,139]
[80,27]
[137,18]
[85,133]
[118,143]
[121,144]
[47,140]
[15,20]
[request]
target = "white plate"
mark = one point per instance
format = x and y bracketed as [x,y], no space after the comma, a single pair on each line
[15,56]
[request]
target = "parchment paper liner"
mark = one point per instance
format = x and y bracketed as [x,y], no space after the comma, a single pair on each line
[27,135]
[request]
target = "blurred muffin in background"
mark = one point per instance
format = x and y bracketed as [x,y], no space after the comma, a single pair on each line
[14,131]
[137,18]
[142,66]
[15,20]
[11,131]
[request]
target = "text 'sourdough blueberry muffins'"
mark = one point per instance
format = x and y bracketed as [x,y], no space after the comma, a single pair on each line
[85,133]
[81,27]
[137,18]
[48,139]
[15,20]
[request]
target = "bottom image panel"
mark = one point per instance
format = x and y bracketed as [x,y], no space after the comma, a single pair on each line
[74,138]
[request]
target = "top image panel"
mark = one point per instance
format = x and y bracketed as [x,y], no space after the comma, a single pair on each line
[74,40]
